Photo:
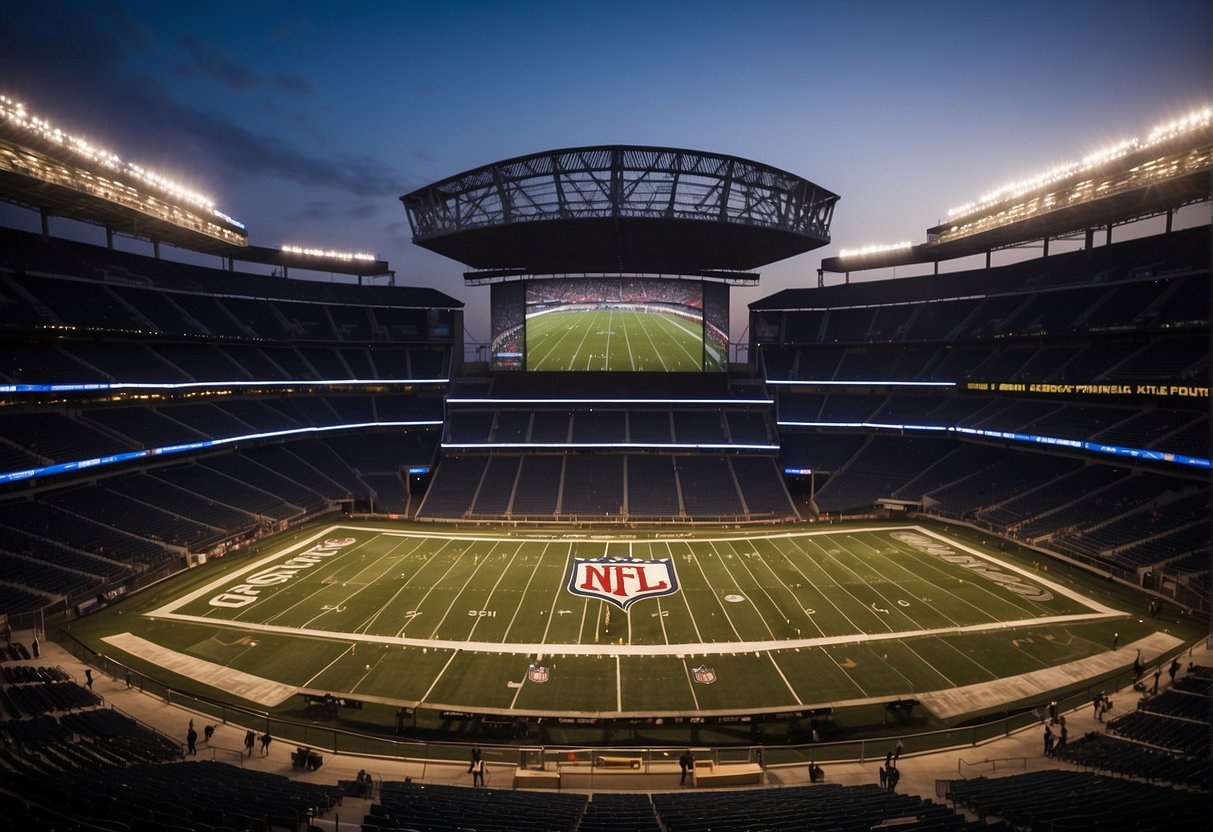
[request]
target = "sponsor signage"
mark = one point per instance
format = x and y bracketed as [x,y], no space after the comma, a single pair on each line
[249,591]
[1133,390]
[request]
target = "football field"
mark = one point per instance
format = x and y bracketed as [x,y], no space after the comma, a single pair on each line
[618,340]
[637,623]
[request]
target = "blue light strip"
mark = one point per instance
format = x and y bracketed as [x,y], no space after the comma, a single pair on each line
[541,402]
[1033,438]
[196,385]
[676,446]
[113,459]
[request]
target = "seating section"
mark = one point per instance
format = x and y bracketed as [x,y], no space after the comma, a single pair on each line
[607,487]
[435,808]
[1062,799]
[819,806]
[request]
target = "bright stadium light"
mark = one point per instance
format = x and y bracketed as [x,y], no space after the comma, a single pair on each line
[310,251]
[1192,121]
[15,113]
[874,249]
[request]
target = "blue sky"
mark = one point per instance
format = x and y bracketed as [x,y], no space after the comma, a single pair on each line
[308,120]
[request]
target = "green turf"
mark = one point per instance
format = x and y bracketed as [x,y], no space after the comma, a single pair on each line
[615,340]
[783,618]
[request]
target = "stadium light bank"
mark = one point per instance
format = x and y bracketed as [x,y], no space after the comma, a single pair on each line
[15,113]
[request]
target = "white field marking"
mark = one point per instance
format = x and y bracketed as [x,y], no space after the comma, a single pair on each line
[786,683]
[518,690]
[1098,612]
[607,355]
[245,685]
[556,596]
[321,671]
[761,588]
[550,327]
[669,320]
[653,346]
[890,603]
[969,658]
[388,555]
[842,587]
[825,596]
[475,569]
[716,597]
[850,678]
[924,663]
[404,587]
[796,602]
[627,340]
[690,682]
[661,620]
[434,683]
[433,586]
[576,649]
[925,561]
[497,583]
[1089,603]
[333,570]
[686,601]
[522,600]
[618,686]
[585,333]
[230,577]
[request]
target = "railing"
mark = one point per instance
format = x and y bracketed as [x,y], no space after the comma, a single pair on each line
[339,741]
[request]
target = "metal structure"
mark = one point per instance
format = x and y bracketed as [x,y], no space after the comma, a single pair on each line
[620,209]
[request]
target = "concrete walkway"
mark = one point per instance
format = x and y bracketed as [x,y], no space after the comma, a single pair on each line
[1018,752]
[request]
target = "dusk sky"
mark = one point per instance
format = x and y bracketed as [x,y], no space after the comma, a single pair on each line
[307,121]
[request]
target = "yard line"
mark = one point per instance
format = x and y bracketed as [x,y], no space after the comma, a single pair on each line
[926,663]
[475,569]
[334,562]
[434,684]
[890,604]
[682,595]
[366,625]
[968,658]
[851,678]
[320,672]
[665,321]
[690,684]
[761,618]
[788,684]
[847,591]
[824,595]
[742,560]
[557,596]
[656,351]
[390,553]
[618,686]
[525,589]
[497,583]
[585,333]
[796,600]
[924,560]
[716,596]
[421,603]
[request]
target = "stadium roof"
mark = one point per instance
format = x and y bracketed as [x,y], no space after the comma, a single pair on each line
[1133,183]
[620,209]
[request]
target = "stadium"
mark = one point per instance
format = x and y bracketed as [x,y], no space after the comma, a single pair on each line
[920,513]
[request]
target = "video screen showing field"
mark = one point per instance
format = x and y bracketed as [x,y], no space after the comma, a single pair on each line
[617,325]
[544,621]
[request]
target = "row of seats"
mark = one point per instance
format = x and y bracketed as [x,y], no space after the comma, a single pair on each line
[612,486]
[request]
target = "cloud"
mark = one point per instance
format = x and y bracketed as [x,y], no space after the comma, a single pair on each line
[293,84]
[212,62]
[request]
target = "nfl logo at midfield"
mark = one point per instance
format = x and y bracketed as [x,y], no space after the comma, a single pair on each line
[703,674]
[621,581]
[537,673]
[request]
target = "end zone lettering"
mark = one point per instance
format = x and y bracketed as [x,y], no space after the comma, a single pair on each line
[246,593]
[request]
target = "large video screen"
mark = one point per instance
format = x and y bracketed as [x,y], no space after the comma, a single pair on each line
[616,324]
